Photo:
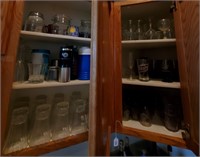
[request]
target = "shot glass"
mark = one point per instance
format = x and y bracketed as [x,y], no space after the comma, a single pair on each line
[143,69]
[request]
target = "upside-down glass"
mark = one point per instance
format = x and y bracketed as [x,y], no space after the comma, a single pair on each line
[79,116]
[17,137]
[40,132]
[60,118]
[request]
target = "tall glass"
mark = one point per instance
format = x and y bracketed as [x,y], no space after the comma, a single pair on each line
[40,132]
[60,118]
[17,137]
[143,69]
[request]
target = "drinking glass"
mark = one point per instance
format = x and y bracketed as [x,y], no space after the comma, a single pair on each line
[150,34]
[145,117]
[40,133]
[18,130]
[60,118]
[143,69]
[36,72]
[130,65]
[79,116]
[130,29]
[164,25]
[139,32]
[167,70]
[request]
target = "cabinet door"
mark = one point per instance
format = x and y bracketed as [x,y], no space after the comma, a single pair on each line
[101,111]
[187,33]
[11,19]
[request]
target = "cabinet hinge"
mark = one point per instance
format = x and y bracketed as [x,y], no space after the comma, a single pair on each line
[173,7]
[186,132]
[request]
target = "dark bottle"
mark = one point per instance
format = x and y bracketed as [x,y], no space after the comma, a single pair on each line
[74,63]
[127,147]
[121,148]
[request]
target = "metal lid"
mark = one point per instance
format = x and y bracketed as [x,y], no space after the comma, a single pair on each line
[35,13]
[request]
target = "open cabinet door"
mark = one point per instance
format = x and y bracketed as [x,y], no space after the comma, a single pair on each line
[101,109]
[186,17]
[11,20]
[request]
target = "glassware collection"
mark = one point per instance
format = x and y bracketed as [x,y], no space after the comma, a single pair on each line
[61,24]
[46,121]
[146,69]
[148,109]
[73,63]
[140,30]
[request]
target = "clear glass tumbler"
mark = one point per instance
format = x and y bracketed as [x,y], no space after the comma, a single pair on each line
[79,116]
[40,133]
[17,137]
[143,69]
[60,118]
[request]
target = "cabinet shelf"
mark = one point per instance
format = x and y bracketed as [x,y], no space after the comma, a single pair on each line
[156,133]
[53,37]
[44,84]
[155,43]
[52,146]
[152,83]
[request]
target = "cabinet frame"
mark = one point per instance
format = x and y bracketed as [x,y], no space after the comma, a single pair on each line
[180,142]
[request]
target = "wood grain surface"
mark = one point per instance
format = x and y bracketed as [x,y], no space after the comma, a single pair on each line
[187,34]
[11,20]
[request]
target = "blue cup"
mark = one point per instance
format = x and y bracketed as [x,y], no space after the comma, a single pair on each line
[84,64]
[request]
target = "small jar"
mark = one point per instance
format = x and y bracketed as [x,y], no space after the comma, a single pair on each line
[34,22]
[85,29]
[60,24]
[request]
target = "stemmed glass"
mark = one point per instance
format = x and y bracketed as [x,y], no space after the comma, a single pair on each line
[130,30]
[150,34]
[139,31]
[130,65]
[164,25]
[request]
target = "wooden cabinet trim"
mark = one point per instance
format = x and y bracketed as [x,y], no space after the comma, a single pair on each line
[12,13]
[51,146]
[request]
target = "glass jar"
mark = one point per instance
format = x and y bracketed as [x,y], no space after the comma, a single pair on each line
[85,29]
[61,24]
[34,22]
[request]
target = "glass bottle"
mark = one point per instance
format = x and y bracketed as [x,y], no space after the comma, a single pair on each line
[127,147]
[85,29]
[34,22]
[121,148]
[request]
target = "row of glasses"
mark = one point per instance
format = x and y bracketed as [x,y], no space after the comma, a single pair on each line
[146,110]
[46,122]
[140,31]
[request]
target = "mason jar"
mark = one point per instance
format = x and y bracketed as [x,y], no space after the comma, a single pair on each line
[34,22]
[61,24]
[85,29]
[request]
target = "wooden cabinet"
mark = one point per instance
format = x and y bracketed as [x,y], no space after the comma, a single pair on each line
[180,48]
[11,91]
[107,62]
